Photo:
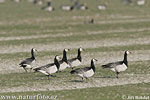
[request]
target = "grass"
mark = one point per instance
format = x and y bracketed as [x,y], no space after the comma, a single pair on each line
[113,93]
[76,38]
[74,51]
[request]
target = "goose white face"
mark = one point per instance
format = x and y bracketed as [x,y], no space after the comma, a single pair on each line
[34,50]
[80,49]
[66,50]
[127,52]
[58,57]
[94,60]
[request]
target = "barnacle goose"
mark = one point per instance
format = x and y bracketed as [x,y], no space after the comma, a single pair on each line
[2,1]
[39,2]
[26,64]
[91,21]
[83,7]
[119,66]
[76,61]
[86,71]
[64,63]
[49,69]
[67,8]
[101,7]
[140,2]
[16,1]
[48,7]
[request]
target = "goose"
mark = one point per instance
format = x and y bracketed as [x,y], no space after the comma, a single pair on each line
[67,8]
[26,64]
[64,63]
[2,1]
[101,7]
[91,21]
[16,1]
[83,7]
[76,4]
[140,2]
[39,2]
[76,61]
[127,1]
[48,7]
[85,72]
[119,66]
[49,69]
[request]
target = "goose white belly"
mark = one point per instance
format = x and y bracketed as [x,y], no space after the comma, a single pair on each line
[27,66]
[119,68]
[67,8]
[49,9]
[52,69]
[63,66]
[33,61]
[75,63]
[44,72]
[88,73]
[81,75]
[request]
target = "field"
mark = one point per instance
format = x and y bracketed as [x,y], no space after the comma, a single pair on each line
[118,28]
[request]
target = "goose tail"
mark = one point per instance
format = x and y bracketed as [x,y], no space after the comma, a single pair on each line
[73,72]
[36,70]
[104,66]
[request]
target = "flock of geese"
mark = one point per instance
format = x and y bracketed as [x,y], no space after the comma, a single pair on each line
[61,64]
[76,4]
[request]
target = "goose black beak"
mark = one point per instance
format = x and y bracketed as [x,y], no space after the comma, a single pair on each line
[36,50]
[59,57]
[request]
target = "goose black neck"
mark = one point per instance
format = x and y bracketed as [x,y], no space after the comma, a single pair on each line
[92,65]
[32,54]
[79,55]
[125,59]
[64,56]
[49,4]
[56,62]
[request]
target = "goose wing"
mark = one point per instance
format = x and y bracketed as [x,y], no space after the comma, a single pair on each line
[45,67]
[80,70]
[112,65]
[71,60]
[61,62]
[26,61]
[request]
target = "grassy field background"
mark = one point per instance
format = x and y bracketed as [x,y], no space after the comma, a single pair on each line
[118,28]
